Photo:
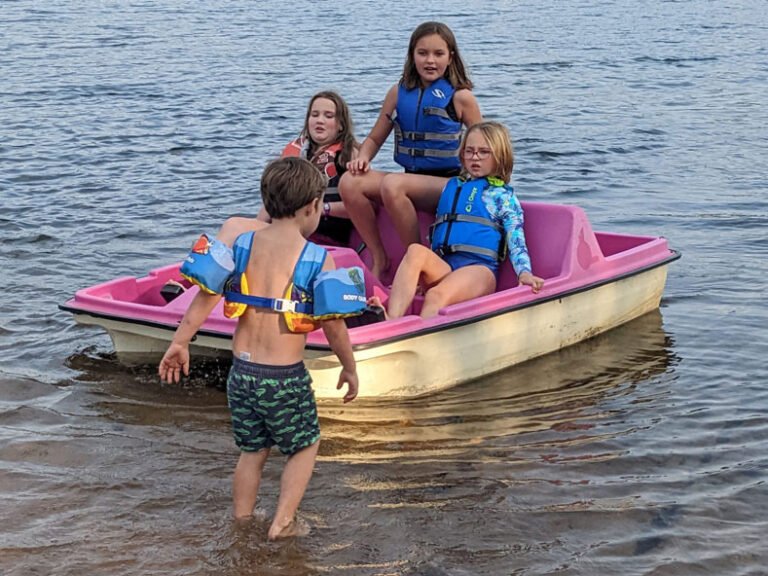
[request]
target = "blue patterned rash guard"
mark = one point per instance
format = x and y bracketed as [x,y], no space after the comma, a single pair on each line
[505,209]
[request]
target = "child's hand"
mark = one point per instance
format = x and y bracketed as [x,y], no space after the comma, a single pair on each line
[175,360]
[358,165]
[351,380]
[534,282]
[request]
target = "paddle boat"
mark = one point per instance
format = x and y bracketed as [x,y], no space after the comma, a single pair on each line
[595,281]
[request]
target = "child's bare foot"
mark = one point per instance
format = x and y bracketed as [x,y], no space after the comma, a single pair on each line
[296,528]
[376,301]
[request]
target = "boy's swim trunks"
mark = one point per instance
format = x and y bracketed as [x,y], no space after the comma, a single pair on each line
[272,406]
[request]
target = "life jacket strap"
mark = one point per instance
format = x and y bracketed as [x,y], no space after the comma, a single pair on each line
[332,194]
[422,136]
[453,248]
[451,217]
[418,152]
[276,304]
[434,111]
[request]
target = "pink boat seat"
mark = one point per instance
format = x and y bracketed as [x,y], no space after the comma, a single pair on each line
[560,242]
[548,231]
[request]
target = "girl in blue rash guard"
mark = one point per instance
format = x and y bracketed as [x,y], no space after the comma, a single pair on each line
[478,219]
[428,109]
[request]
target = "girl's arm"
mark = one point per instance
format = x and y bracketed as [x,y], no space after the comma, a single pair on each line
[467,108]
[335,209]
[510,214]
[377,136]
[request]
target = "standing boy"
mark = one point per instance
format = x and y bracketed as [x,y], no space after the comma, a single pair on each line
[269,389]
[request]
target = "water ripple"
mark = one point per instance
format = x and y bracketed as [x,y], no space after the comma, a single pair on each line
[129,128]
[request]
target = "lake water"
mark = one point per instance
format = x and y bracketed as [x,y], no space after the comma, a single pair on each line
[129,127]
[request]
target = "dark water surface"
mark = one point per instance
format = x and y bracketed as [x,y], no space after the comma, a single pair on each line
[129,127]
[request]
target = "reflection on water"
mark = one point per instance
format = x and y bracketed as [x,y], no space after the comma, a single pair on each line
[561,391]
[155,460]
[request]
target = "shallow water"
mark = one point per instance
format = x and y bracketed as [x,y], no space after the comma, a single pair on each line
[130,127]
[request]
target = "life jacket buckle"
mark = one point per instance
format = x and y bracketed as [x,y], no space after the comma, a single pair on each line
[283,305]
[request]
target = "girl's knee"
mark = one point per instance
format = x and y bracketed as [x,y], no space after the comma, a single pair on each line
[359,189]
[391,188]
[347,186]
[416,254]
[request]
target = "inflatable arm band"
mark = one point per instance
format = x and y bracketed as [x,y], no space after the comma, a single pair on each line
[209,264]
[339,293]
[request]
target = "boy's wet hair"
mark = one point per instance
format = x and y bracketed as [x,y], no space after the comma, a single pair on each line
[456,73]
[499,142]
[289,184]
[344,117]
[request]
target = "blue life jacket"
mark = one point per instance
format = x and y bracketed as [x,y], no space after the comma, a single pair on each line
[313,295]
[463,223]
[426,137]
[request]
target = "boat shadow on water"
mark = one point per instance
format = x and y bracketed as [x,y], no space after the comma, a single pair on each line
[567,390]
[531,424]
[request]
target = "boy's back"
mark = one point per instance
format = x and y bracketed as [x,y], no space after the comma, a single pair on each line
[263,336]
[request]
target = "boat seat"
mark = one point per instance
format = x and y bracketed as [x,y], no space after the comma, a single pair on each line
[392,245]
[548,232]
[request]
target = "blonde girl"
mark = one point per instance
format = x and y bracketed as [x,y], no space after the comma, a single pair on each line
[478,219]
